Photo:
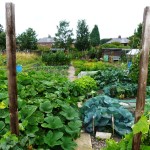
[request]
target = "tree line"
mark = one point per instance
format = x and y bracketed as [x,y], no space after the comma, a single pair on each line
[64,37]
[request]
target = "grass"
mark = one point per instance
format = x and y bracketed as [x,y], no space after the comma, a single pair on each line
[24,59]
[27,58]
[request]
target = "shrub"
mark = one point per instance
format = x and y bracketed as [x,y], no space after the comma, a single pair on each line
[58,58]
[43,48]
[94,53]
[134,70]
[2,60]
[85,85]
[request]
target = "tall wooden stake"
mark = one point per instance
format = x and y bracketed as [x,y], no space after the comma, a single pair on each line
[11,55]
[143,75]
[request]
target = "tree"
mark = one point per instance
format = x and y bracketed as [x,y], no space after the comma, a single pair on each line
[95,36]
[82,39]
[1,28]
[2,38]
[27,40]
[103,41]
[64,35]
[135,40]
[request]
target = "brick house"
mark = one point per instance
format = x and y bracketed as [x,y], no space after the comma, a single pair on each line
[46,41]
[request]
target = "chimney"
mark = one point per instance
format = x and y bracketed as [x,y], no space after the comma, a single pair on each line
[119,36]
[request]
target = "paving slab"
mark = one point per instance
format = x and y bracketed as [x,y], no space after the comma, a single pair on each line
[84,142]
[103,135]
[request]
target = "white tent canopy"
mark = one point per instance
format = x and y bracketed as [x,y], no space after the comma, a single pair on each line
[133,52]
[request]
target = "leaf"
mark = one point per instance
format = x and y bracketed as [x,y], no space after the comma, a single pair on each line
[141,126]
[8,141]
[2,105]
[68,144]
[145,147]
[52,122]
[27,111]
[3,95]
[39,116]
[3,113]
[69,113]
[2,125]
[31,129]
[111,145]
[46,107]
[53,138]
[73,128]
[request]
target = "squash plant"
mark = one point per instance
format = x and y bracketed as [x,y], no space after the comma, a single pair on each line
[46,118]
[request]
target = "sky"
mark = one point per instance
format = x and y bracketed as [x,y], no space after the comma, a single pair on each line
[113,17]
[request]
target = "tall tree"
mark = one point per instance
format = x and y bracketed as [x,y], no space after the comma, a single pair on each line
[64,35]
[2,38]
[135,40]
[103,41]
[82,39]
[27,40]
[95,36]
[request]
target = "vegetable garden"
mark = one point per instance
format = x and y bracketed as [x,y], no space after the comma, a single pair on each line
[47,105]
[47,113]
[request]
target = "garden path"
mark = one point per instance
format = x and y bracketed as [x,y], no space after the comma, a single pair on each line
[71,72]
[84,142]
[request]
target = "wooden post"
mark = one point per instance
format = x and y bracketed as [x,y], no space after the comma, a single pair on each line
[11,56]
[144,57]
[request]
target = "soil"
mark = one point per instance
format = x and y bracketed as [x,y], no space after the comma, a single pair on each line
[98,144]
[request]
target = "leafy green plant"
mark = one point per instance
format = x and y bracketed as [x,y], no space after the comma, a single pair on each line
[101,108]
[85,85]
[45,111]
[121,90]
[110,76]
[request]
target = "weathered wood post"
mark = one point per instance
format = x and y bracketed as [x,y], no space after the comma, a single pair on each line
[144,57]
[11,56]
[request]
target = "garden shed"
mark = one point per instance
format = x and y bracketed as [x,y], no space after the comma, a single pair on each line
[114,53]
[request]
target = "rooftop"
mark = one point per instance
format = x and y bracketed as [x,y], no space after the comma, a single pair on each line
[46,40]
[119,39]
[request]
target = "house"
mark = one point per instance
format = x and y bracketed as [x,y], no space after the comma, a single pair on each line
[46,41]
[123,41]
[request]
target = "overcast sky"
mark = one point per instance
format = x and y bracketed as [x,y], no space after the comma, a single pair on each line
[113,17]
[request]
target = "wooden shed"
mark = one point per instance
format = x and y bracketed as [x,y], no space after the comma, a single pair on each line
[113,53]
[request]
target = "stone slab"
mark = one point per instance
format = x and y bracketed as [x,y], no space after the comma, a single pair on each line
[103,135]
[84,142]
